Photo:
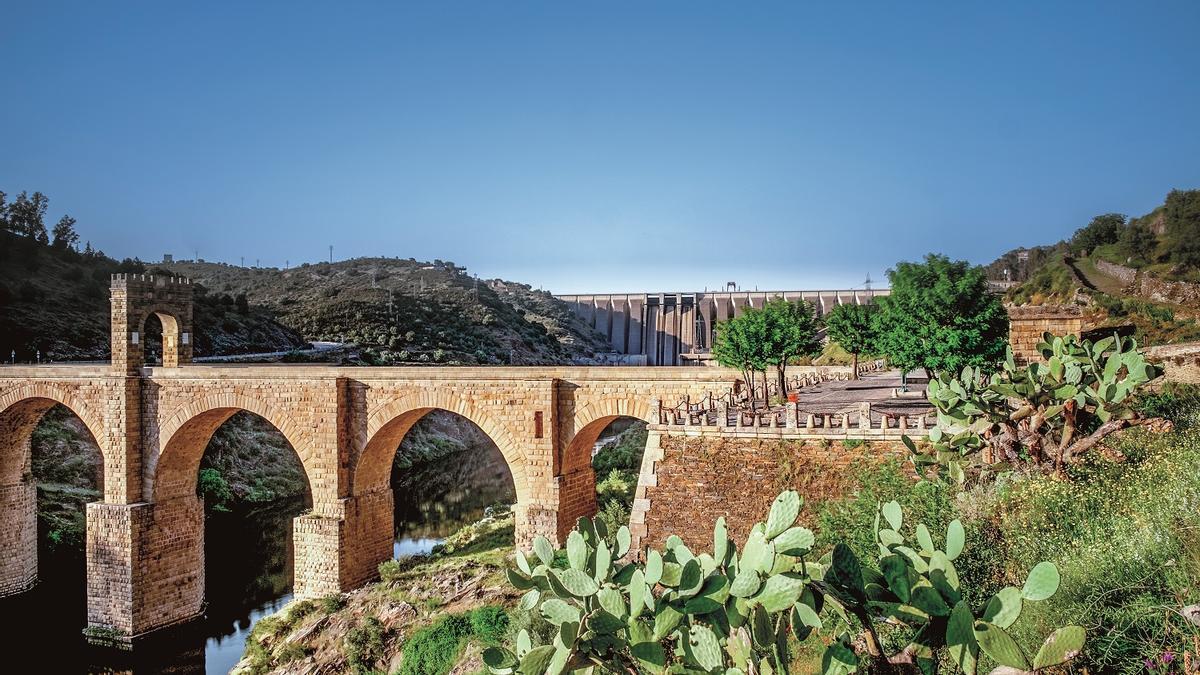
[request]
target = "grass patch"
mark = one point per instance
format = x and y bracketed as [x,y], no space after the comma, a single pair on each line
[434,650]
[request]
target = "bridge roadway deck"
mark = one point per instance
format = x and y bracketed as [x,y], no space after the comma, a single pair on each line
[722,376]
[838,397]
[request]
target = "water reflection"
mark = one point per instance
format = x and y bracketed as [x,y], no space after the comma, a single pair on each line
[248,576]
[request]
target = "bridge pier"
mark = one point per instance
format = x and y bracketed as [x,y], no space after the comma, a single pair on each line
[339,548]
[18,537]
[576,499]
[145,567]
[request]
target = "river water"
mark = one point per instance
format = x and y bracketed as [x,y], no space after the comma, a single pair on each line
[248,576]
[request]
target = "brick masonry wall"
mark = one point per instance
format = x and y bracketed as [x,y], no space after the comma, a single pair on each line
[698,479]
[18,537]
[1028,323]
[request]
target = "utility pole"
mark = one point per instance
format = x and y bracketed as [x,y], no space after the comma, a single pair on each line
[331,254]
[256,262]
[243,264]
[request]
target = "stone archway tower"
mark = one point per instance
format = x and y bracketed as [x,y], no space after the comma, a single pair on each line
[134,298]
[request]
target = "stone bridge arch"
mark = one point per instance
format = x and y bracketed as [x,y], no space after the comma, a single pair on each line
[578,478]
[172,467]
[369,527]
[169,526]
[388,423]
[21,409]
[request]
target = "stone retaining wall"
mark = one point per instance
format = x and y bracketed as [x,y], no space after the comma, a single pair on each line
[686,483]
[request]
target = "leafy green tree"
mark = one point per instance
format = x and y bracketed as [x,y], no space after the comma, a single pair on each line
[64,234]
[1105,229]
[940,315]
[791,332]
[741,343]
[26,216]
[1183,226]
[1138,241]
[852,327]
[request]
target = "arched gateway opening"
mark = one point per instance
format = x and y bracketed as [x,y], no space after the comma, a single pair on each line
[226,488]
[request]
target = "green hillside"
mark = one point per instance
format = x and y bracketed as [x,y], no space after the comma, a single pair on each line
[55,300]
[406,311]
[1163,245]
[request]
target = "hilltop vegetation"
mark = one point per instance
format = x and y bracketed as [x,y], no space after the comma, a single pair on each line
[1161,245]
[406,311]
[54,300]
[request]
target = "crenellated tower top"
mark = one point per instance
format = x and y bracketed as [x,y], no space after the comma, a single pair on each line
[134,298]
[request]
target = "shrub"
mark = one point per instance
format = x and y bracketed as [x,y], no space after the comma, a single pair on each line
[618,486]
[364,645]
[434,649]
[213,488]
[290,651]
[734,609]
[390,570]
[489,623]
[332,603]
[1177,402]
[1123,535]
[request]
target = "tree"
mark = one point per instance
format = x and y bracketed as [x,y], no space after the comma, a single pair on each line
[64,234]
[1182,215]
[3,211]
[243,305]
[741,343]
[791,331]
[1139,241]
[940,315]
[26,216]
[853,328]
[1105,229]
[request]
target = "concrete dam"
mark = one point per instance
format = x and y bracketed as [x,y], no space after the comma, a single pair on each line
[676,329]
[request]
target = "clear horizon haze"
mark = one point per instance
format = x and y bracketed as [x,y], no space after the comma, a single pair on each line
[598,147]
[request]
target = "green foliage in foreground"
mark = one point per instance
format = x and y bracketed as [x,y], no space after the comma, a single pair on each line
[734,612]
[1123,534]
[1041,414]
[434,650]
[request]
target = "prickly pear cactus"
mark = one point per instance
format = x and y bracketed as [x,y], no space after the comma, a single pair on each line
[1042,413]
[732,611]
[916,585]
[720,611]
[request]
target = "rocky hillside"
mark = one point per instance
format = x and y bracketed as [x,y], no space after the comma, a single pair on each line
[406,311]
[1137,275]
[55,300]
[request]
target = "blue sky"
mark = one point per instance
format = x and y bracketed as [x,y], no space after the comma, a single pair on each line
[599,146]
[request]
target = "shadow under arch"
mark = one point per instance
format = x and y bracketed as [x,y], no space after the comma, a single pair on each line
[184,435]
[20,414]
[388,425]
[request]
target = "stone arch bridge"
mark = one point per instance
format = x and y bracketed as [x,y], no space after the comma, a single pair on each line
[145,553]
